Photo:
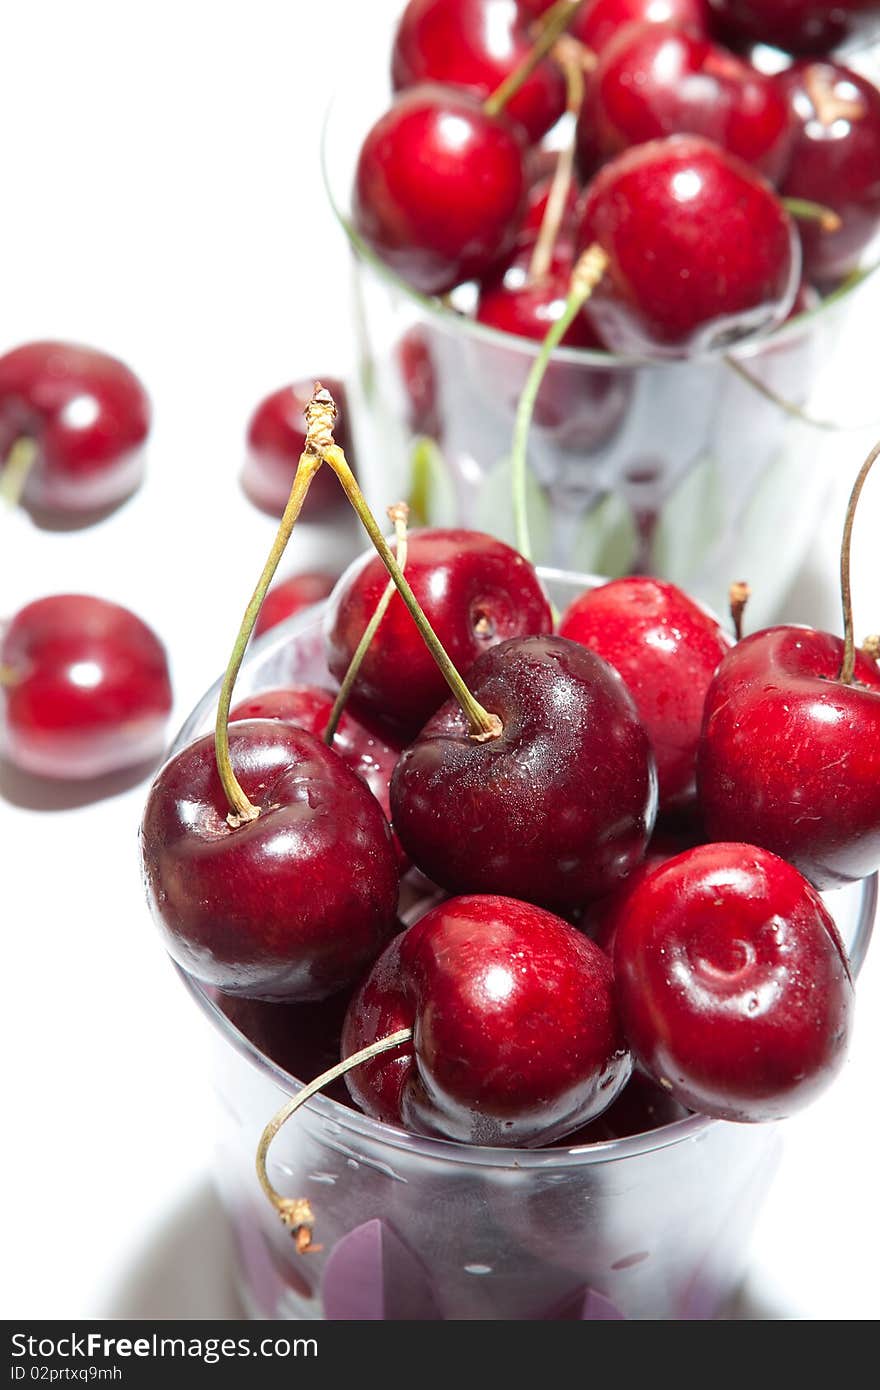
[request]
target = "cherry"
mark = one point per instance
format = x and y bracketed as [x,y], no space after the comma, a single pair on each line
[513,302]
[835,162]
[515,1034]
[291,905]
[654,80]
[84,688]
[276,436]
[475,590]
[88,417]
[536,207]
[476,44]
[699,250]
[439,188]
[292,596]
[558,807]
[798,26]
[667,649]
[600,21]
[733,984]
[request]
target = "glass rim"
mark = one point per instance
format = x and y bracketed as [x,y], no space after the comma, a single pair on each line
[450,1150]
[451,320]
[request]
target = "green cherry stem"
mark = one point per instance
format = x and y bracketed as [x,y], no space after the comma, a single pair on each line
[16,470]
[805,210]
[563,174]
[848,665]
[556,21]
[399,514]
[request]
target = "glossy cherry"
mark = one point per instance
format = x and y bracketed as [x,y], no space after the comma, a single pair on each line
[700,250]
[515,1032]
[88,416]
[555,810]
[275,438]
[667,649]
[789,754]
[600,21]
[653,80]
[84,689]
[734,987]
[292,595]
[514,302]
[476,44]
[476,592]
[536,207]
[835,161]
[798,26]
[439,188]
[292,905]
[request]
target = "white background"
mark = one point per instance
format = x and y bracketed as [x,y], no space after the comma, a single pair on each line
[161,199]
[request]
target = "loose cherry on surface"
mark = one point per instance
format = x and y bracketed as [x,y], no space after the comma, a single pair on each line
[835,162]
[515,1034]
[476,44]
[275,439]
[557,808]
[798,26]
[439,188]
[733,984]
[699,250]
[654,80]
[475,590]
[84,689]
[291,905]
[88,417]
[292,595]
[667,649]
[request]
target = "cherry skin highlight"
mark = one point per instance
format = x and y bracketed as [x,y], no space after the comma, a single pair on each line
[558,808]
[667,649]
[789,754]
[292,595]
[515,1032]
[276,436]
[733,984]
[475,590]
[84,689]
[439,188]
[89,417]
[291,906]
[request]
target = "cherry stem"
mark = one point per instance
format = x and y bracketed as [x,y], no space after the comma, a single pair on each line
[588,271]
[8,675]
[848,665]
[319,423]
[555,23]
[870,648]
[296,1212]
[399,514]
[805,210]
[16,470]
[789,407]
[739,595]
[542,255]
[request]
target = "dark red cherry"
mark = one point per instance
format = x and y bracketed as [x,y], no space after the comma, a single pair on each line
[835,162]
[667,649]
[733,984]
[798,26]
[439,188]
[654,80]
[700,250]
[88,415]
[292,595]
[515,1032]
[292,905]
[476,44]
[275,438]
[789,754]
[476,592]
[302,1039]
[642,1106]
[555,810]
[84,688]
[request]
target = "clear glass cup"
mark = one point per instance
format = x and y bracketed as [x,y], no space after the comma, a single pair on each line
[693,470]
[652,1226]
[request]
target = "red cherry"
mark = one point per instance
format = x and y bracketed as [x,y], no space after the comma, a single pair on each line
[292,905]
[536,206]
[667,649]
[733,984]
[555,810]
[88,415]
[789,754]
[515,1033]
[798,26]
[475,590]
[514,303]
[654,80]
[275,438]
[84,688]
[476,44]
[293,595]
[835,162]
[439,188]
[600,21]
[668,215]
